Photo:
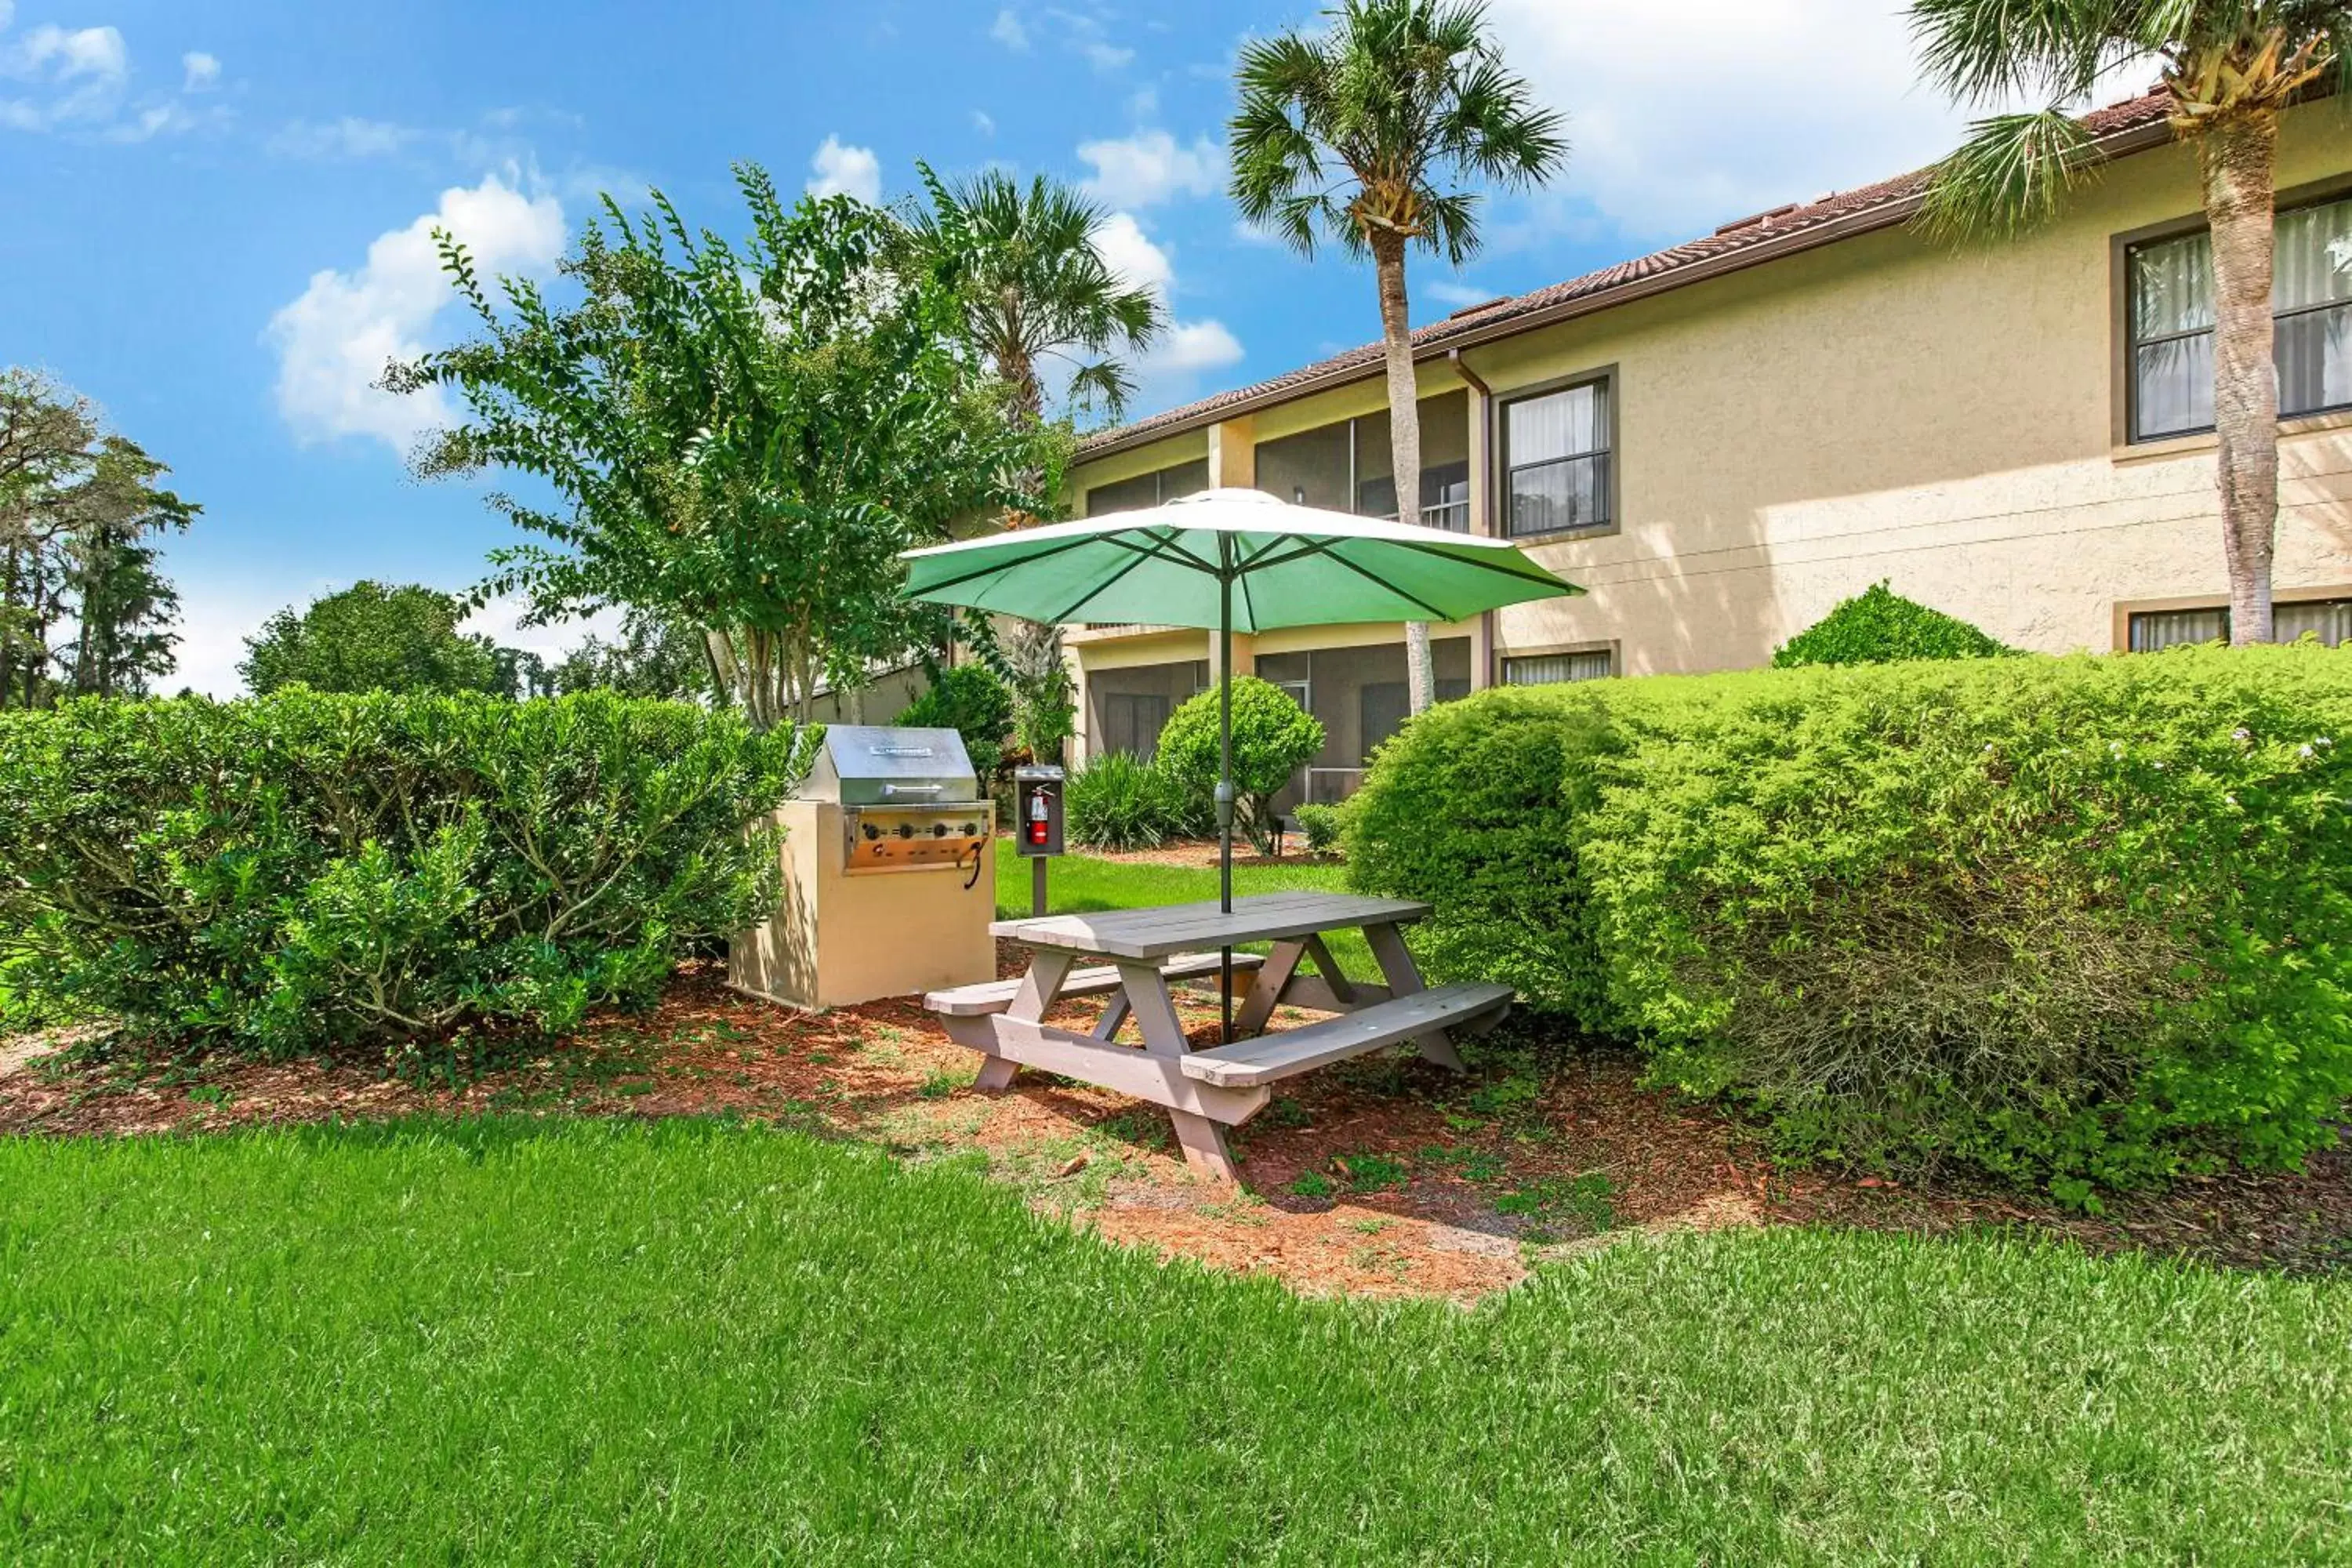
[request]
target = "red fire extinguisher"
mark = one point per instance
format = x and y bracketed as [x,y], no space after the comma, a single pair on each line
[1041,825]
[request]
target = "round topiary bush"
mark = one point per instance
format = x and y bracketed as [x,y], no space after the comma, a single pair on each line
[1879,625]
[1273,739]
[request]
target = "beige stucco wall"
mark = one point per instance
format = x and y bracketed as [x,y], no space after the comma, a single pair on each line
[1880,409]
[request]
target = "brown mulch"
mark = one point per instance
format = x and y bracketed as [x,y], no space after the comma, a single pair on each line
[1380,1177]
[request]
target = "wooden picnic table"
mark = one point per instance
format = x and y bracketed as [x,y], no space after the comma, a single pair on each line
[1152,949]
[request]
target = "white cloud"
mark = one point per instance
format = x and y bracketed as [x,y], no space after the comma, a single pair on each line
[1168,371]
[1447,293]
[96,52]
[984,122]
[1129,252]
[1193,347]
[335,341]
[1151,168]
[1692,115]
[501,620]
[348,137]
[846,171]
[200,70]
[1104,57]
[1009,31]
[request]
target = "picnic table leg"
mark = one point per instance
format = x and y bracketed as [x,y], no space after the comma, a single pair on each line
[1267,989]
[1204,1141]
[1039,987]
[1404,979]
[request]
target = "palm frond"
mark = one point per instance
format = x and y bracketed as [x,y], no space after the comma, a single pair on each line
[1985,51]
[2009,175]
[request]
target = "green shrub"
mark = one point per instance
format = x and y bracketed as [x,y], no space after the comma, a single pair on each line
[1880,626]
[973,701]
[1118,802]
[1273,739]
[1321,826]
[2076,921]
[303,870]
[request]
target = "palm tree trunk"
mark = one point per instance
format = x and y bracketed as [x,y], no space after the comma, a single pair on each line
[1404,443]
[2238,157]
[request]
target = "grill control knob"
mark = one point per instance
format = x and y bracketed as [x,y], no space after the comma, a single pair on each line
[872,831]
[905,830]
[938,830]
[971,830]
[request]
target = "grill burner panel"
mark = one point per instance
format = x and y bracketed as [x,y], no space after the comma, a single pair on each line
[914,838]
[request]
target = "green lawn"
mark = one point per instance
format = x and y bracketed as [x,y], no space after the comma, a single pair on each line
[690,1342]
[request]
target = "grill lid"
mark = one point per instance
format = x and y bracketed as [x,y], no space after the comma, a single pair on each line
[875,765]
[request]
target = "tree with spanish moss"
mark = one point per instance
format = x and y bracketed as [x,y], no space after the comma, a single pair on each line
[1369,134]
[2231,67]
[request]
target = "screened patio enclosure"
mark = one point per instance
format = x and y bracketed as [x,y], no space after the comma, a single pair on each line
[1360,695]
[1127,708]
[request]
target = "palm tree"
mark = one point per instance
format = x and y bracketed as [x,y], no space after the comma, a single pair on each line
[1364,132]
[2230,66]
[1037,288]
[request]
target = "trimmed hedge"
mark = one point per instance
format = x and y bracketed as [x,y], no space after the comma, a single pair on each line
[304,870]
[2076,921]
[973,701]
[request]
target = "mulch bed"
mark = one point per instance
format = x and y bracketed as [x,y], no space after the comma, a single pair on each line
[1380,1177]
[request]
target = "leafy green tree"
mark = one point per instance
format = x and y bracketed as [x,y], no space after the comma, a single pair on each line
[374,637]
[1273,737]
[740,439]
[970,699]
[78,509]
[651,658]
[1879,625]
[2231,67]
[1366,133]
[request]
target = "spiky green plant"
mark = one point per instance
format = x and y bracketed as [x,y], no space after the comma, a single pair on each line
[2230,66]
[1370,132]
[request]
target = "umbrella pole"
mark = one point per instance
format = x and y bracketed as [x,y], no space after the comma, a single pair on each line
[1225,775]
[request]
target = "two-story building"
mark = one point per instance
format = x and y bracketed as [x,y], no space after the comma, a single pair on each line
[1722,440]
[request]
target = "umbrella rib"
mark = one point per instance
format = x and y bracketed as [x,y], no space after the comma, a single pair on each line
[1365,572]
[996,566]
[1099,589]
[1488,566]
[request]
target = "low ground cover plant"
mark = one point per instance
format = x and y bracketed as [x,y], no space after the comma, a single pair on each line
[305,870]
[1273,739]
[2082,921]
[1117,802]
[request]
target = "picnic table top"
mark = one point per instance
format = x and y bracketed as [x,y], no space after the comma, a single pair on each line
[1182,928]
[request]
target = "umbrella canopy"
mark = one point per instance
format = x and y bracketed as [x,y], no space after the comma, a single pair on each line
[1230,559]
[1287,565]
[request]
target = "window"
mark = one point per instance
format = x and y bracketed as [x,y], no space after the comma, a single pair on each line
[1132,722]
[1149,490]
[2329,620]
[1346,466]
[1556,450]
[1544,669]
[2170,301]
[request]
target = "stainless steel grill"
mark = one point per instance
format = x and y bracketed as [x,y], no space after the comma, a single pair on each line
[909,799]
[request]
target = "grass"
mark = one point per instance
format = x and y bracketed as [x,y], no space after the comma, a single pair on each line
[1079,883]
[555,1340]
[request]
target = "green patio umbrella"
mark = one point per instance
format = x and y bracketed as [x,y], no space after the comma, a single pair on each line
[1231,560]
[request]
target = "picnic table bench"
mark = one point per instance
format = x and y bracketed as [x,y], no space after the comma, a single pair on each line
[1208,1090]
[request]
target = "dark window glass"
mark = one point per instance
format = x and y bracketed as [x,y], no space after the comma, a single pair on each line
[2329,620]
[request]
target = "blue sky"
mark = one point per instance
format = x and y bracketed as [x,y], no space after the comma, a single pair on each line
[218,211]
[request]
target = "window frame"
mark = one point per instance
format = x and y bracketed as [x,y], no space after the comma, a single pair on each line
[1504,657]
[2124,399]
[1609,379]
[2127,610]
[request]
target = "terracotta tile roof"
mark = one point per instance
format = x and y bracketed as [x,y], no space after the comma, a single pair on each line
[1748,242]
